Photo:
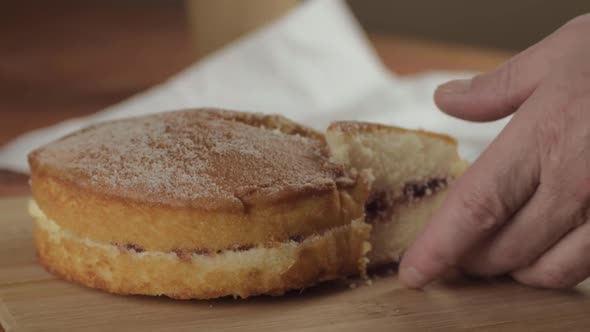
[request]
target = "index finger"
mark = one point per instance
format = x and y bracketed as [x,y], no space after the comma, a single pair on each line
[478,203]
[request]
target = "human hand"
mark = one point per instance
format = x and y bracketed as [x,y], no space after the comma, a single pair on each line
[523,207]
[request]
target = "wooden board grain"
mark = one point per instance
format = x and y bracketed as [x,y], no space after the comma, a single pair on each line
[33,300]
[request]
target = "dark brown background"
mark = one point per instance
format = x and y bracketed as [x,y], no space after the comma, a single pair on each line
[511,24]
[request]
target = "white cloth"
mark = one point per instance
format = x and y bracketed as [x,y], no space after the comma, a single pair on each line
[313,65]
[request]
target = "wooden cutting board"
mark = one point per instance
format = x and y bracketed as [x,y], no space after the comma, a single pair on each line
[33,300]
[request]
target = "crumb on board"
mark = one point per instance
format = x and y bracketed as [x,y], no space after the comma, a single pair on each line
[367,281]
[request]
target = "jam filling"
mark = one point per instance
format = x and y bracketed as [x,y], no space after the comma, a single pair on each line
[130,246]
[185,254]
[381,204]
[417,190]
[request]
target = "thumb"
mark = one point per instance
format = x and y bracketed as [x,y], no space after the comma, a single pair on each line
[496,94]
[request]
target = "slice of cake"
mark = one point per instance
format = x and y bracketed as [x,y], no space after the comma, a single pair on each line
[411,169]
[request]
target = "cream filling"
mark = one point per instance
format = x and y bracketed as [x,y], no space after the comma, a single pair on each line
[57,233]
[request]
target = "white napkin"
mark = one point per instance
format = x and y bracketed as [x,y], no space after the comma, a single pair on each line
[314,66]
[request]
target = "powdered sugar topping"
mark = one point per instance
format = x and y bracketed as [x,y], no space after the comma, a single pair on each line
[204,158]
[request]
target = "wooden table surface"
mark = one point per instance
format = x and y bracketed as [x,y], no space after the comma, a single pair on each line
[60,60]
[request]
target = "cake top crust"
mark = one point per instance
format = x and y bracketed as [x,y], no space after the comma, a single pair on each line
[375,128]
[206,158]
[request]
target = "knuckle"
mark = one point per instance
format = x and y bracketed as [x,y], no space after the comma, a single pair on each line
[483,211]
[504,84]
[557,134]
[500,80]
[549,133]
[505,78]
[480,81]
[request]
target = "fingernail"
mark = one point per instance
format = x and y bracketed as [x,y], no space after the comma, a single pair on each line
[454,87]
[412,277]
